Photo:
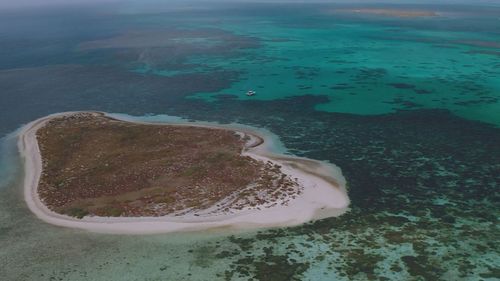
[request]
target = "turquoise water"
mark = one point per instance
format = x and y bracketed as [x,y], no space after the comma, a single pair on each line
[408,108]
[363,68]
[359,66]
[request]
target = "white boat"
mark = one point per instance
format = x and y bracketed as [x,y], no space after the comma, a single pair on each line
[251,93]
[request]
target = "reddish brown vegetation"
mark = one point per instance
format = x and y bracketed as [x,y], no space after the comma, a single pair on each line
[95,165]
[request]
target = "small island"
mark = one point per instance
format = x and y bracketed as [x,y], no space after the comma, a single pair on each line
[390,12]
[93,171]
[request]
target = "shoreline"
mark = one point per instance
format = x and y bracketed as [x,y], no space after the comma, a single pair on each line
[323,195]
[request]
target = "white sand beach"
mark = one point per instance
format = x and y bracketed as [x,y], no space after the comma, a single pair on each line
[323,194]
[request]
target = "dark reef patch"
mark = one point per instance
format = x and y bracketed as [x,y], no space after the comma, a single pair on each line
[43,90]
[402,85]
[423,186]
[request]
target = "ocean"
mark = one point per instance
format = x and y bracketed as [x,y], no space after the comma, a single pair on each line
[408,107]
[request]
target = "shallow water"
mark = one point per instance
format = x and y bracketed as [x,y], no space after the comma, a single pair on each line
[394,102]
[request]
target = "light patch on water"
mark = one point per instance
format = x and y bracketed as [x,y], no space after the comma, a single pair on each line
[9,159]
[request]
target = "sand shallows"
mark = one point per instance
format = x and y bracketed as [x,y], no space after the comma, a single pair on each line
[324,194]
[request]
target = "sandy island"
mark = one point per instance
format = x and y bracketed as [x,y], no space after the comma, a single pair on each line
[390,12]
[318,190]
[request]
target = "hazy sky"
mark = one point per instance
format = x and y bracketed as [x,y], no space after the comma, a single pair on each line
[24,3]
[28,3]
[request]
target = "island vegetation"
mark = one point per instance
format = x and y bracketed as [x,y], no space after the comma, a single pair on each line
[95,165]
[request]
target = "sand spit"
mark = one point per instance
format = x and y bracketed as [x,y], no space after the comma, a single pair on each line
[324,194]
